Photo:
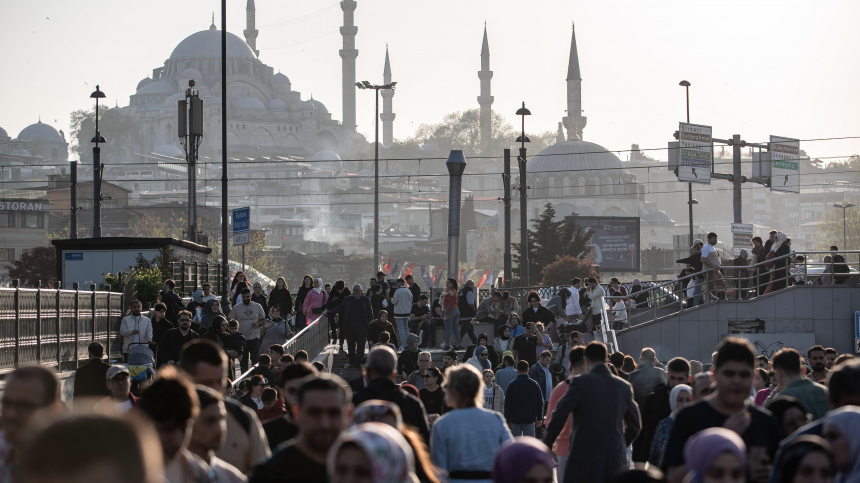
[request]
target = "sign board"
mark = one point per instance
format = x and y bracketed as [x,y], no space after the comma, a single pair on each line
[696,154]
[242,226]
[857,332]
[615,242]
[784,164]
[741,237]
[73,256]
[769,344]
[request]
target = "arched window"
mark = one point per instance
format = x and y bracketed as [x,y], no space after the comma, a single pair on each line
[580,186]
[537,186]
[567,186]
[592,187]
[552,188]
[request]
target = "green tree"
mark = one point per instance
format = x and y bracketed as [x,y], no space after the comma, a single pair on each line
[550,238]
[830,231]
[37,264]
[124,134]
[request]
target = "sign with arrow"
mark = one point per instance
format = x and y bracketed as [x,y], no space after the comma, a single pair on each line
[695,153]
[785,164]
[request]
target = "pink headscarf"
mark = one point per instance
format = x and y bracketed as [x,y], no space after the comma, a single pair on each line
[703,448]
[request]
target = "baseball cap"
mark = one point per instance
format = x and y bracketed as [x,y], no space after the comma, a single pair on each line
[114,370]
[698,241]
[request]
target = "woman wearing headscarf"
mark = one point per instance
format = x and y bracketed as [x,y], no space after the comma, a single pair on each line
[789,413]
[716,455]
[276,329]
[216,330]
[304,289]
[483,340]
[679,396]
[523,459]
[210,310]
[453,444]
[842,431]
[378,411]
[806,458]
[280,296]
[504,341]
[373,449]
[315,301]
[480,359]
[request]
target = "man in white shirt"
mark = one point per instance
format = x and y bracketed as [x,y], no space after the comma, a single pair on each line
[135,329]
[596,294]
[710,260]
[402,301]
[121,400]
[250,316]
[573,310]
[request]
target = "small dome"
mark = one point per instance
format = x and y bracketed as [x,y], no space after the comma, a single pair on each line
[276,105]
[316,105]
[207,44]
[190,73]
[161,86]
[143,83]
[169,150]
[658,216]
[173,100]
[20,151]
[326,155]
[246,103]
[492,221]
[3,133]
[280,79]
[576,155]
[40,132]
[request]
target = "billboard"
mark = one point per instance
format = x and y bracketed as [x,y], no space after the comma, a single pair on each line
[785,164]
[696,153]
[615,241]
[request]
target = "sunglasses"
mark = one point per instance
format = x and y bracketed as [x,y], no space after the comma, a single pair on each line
[485,355]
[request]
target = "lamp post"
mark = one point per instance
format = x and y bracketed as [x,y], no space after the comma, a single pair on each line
[456,165]
[844,207]
[376,88]
[690,200]
[97,169]
[524,233]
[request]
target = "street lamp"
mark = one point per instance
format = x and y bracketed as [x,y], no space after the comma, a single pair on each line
[368,85]
[97,169]
[690,200]
[521,160]
[844,207]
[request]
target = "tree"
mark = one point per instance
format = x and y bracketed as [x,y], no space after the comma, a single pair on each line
[830,231]
[549,239]
[124,134]
[489,253]
[39,263]
[566,267]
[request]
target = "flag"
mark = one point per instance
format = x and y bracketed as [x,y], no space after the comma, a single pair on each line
[426,276]
[387,267]
[436,275]
[460,276]
[408,270]
[471,275]
[394,269]
[283,237]
[488,275]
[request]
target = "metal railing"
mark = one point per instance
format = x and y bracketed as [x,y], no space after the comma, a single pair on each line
[736,283]
[313,339]
[54,327]
[190,276]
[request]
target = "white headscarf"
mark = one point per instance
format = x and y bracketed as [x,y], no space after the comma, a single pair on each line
[780,239]
[673,396]
[318,290]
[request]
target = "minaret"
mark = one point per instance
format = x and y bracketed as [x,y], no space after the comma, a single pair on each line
[387,116]
[348,53]
[251,32]
[485,100]
[574,122]
[559,136]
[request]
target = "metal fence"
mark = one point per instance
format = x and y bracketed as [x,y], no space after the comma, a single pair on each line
[54,327]
[190,276]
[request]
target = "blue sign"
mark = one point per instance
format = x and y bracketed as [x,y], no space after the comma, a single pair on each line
[857,324]
[74,256]
[242,220]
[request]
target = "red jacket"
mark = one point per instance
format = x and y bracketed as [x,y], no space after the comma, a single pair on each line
[277,411]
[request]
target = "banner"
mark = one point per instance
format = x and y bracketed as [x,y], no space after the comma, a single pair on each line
[387,267]
[436,276]
[486,276]
[426,276]
[394,268]
[408,270]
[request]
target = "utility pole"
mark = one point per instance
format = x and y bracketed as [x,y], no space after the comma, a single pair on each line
[225,271]
[736,177]
[506,180]
[97,169]
[524,228]
[191,135]
[73,202]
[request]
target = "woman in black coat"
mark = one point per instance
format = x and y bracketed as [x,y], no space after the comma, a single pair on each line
[280,296]
[780,270]
[307,286]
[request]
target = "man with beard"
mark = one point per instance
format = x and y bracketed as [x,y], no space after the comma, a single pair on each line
[817,358]
[250,316]
[171,345]
[322,411]
[829,357]
[135,329]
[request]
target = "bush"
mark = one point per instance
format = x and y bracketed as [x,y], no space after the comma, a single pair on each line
[565,268]
[147,285]
[111,283]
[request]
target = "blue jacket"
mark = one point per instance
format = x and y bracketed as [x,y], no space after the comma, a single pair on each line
[523,401]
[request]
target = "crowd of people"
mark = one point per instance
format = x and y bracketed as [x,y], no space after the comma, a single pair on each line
[740,417]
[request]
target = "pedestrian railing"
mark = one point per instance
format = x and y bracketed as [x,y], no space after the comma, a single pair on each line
[190,276]
[313,339]
[736,283]
[54,327]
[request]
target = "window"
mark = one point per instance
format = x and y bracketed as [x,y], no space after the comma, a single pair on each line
[7,218]
[33,220]
[7,254]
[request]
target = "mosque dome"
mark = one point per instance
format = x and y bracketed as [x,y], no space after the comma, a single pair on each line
[576,155]
[190,73]
[276,105]
[326,155]
[316,105]
[40,132]
[207,43]
[143,83]
[280,79]
[492,221]
[657,216]
[161,86]
[169,150]
[3,133]
[173,100]
[20,151]
[247,102]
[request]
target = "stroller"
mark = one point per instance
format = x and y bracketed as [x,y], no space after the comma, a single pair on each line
[141,366]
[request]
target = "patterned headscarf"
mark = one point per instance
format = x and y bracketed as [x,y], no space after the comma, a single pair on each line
[374,410]
[515,458]
[485,364]
[703,448]
[389,456]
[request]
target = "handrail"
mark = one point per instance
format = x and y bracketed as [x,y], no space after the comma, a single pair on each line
[606,330]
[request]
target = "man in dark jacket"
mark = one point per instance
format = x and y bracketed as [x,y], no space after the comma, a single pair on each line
[169,298]
[355,316]
[606,422]
[90,379]
[695,261]
[414,288]
[523,403]
[656,407]
[380,373]
[171,345]
[234,342]
[467,303]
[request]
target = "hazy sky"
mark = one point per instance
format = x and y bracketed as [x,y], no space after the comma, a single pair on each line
[788,68]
